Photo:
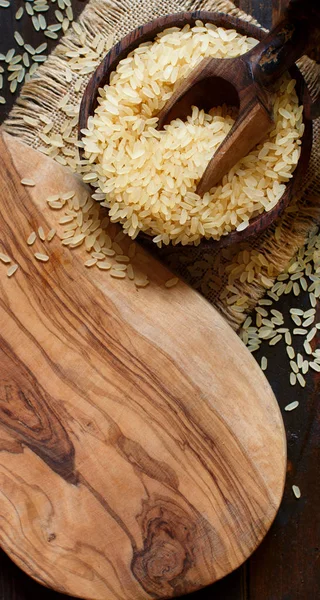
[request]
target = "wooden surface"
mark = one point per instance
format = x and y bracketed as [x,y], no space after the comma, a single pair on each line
[285,566]
[143,453]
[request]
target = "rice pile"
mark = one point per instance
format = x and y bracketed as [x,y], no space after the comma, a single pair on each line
[147,178]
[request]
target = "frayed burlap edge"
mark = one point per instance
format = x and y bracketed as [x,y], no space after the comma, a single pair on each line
[114,19]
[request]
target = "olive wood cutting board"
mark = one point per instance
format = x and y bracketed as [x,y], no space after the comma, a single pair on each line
[143,453]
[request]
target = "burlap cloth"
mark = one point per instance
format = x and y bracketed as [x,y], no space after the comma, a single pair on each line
[207,271]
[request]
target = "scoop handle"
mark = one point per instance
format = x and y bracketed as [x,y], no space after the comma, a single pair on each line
[287,42]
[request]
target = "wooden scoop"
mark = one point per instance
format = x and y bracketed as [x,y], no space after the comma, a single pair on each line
[245,82]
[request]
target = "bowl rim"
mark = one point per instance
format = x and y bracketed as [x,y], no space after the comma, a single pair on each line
[137,36]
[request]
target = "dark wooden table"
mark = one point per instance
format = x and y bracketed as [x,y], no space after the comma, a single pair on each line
[286,565]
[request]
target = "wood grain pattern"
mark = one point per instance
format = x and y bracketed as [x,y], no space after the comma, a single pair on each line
[142,450]
[148,32]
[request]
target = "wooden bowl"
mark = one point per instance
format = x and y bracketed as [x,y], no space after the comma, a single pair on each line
[148,32]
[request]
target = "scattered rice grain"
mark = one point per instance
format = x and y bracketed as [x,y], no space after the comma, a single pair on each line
[290,352]
[90,262]
[171,282]
[19,13]
[275,340]
[18,37]
[307,347]
[11,271]
[264,363]
[301,380]
[51,234]
[41,257]
[315,366]
[296,491]
[51,34]
[117,274]
[299,331]
[32,238]
[28,182]
[4,258]
[293,378]
[41,233]
[291,406]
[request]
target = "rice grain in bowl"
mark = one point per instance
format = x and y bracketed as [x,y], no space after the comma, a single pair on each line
[148,178]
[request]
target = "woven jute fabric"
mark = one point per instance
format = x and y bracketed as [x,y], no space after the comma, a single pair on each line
[206,270]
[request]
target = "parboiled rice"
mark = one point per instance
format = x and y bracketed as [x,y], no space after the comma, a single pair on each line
[12,269]
[149,177]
